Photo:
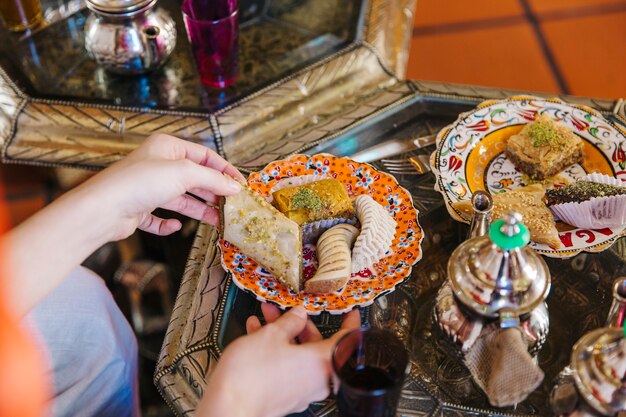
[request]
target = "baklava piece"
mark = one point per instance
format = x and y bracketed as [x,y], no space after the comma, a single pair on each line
[324,199]
[544,148]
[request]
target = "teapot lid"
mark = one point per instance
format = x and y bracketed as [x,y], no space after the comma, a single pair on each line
[120,7]
[499,275]
[599,362]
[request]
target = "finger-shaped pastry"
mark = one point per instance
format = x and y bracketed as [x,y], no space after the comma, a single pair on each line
[378,229]
[334,259]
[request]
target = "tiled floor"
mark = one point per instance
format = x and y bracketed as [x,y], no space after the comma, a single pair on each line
[557,46]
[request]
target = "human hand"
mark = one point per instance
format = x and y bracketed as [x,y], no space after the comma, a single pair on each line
[277,369]
[161,173]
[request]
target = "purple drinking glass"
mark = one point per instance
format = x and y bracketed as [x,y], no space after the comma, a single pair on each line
[213,31]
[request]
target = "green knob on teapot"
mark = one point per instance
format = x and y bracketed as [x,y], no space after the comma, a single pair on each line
[509,233]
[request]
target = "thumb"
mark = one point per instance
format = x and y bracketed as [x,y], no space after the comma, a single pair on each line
[292,322]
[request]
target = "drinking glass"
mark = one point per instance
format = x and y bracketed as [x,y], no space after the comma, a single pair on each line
[213,31]
[371,365]
[20,15]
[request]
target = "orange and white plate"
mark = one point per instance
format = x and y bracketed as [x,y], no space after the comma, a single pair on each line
[470,156]
[363,287]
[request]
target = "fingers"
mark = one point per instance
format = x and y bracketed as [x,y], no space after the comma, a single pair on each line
[158,226]
[291,324]
[253,324]
[206,195]
[196,177]
[310,333]
[194,152]
[191,207]
[270,312]
[351,321]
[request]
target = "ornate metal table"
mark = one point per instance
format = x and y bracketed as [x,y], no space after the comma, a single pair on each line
[316,76]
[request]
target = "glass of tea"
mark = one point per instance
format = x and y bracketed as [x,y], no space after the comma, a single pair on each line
[371,365]
[20,15]
[213,31]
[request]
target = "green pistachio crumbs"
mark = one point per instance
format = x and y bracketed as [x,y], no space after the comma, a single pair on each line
[544,133]
[308,199]
[582,191]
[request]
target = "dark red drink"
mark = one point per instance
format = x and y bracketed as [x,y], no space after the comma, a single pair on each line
[371,366]
[366,392]
[213,31]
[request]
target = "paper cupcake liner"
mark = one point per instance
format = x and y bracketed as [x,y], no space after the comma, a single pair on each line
[312,231]
[294,182]
[596,213]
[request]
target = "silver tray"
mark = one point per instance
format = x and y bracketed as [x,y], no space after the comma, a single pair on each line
[210,312]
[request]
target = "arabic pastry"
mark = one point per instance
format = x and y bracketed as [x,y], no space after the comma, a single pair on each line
[544,148]
[316,205]
[264,234]
[593,202]
[295,182]
[318,200]
[334,257]
[529,202]
[378,229]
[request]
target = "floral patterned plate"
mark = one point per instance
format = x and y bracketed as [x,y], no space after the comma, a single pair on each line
[470,156]
[362,288]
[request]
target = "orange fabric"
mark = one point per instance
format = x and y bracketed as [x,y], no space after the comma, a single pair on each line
[22,390]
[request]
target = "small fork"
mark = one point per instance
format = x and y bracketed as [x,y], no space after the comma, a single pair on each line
[414,165]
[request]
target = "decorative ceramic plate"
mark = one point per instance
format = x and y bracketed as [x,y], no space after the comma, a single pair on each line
[470,156]
[363,287]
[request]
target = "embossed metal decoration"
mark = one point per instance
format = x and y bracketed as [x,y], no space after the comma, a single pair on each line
[470,156]
[308,70]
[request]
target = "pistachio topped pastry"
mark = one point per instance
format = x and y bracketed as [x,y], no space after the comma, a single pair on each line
[264,234]
[543,148]
[314,201]
[582,191]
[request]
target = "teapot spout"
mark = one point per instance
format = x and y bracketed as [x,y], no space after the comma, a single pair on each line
[482,205]
[151,41]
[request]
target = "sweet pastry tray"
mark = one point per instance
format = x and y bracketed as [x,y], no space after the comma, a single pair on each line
[438,383]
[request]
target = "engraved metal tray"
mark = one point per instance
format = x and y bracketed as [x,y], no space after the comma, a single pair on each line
[304,64]
[210,311]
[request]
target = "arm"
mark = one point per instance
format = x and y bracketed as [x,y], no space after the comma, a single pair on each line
[40,252]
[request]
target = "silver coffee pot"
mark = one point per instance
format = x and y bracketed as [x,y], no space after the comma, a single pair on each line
[495,281]
[129,36]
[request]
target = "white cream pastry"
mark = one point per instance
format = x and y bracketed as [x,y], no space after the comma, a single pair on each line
[378,229]
[264,234]
[334,259]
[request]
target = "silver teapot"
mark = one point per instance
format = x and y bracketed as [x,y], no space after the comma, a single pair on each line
[495,282]
[594,384]
[129,36]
